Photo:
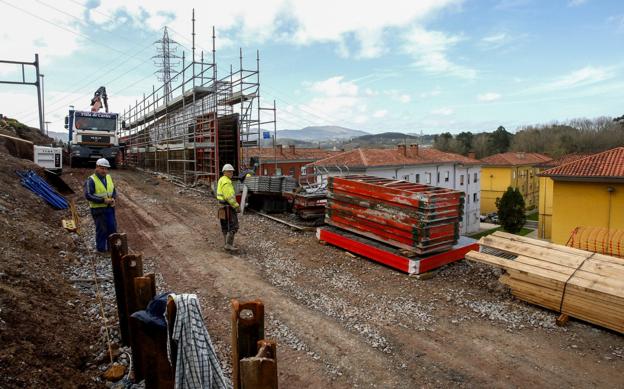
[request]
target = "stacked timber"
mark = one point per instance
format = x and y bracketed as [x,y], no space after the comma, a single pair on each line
[580,284]
[420,218]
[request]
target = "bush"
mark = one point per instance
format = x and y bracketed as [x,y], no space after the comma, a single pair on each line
[511,210]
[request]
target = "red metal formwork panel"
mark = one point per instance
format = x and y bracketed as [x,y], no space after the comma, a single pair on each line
[417,217]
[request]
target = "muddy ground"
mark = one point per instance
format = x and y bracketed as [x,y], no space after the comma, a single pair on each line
[345,322]
[340,321]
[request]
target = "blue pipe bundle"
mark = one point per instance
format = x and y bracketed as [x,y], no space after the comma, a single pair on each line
[42,189]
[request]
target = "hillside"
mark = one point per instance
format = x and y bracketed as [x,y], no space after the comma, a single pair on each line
[320,133]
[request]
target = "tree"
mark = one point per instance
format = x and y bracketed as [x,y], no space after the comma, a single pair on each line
[500,140]
[442,142]
[511,210]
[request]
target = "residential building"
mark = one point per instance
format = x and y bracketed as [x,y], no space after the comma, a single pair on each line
[281,160]
[511,169]
[414,164]
[544,225]
[588,192]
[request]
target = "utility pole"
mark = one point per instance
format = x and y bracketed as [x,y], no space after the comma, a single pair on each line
[43,101]
[47,129]
[37,83]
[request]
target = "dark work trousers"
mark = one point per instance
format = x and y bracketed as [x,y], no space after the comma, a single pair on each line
[105,224]
[230,223]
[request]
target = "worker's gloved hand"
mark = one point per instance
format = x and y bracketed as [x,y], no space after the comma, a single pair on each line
[112,203]
[238,209]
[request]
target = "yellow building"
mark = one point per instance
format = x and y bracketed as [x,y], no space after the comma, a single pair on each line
[588,192]
[544,225]
[512,169]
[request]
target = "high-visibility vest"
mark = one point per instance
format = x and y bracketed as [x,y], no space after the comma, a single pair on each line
[102,191]
[225,192]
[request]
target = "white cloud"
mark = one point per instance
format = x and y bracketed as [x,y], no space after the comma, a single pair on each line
[29,27]
[397,95]
[298,22]
[335,86]
[434,92]
[496,38]
[581,77]
[576,3]
[444,111]
[489,96]
[380,113]
[430,52]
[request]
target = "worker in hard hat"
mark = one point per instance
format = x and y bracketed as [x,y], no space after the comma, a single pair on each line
[100,192]
[245,174]
[228,207]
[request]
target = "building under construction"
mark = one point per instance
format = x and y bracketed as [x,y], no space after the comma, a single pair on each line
[198,119]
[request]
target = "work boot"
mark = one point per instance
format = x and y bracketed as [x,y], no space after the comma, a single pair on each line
[225,242]
[229,242]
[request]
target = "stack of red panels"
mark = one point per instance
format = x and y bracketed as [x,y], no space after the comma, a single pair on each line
[420,218]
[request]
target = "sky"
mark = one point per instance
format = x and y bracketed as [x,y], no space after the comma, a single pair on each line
[412,66]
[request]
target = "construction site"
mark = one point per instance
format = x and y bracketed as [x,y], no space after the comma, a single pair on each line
[340,278]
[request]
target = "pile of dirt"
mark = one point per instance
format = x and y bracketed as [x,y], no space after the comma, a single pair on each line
[46,340]
[15,129]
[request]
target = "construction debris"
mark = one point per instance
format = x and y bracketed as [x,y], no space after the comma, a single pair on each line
[420,218]
[580,284]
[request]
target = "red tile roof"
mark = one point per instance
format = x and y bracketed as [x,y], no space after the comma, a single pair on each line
[393,157]
[562,160]
[289,154]
[608,164]
[515,158]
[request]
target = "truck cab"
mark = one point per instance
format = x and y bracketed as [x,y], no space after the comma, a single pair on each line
[92,135]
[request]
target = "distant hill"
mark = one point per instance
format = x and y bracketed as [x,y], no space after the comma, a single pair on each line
[62,136]
[320,133]
[385,139]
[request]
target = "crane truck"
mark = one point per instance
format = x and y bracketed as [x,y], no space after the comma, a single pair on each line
[92,134]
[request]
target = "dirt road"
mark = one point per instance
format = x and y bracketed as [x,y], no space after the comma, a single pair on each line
[346,322]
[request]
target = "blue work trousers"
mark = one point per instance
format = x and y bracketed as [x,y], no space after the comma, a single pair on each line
[105,224]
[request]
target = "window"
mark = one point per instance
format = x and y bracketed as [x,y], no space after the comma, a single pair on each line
[438,177]
[304,170]
[474,197]
[266,173]
[417,178]
[278,171]
[461,180]
[406,177]
[427,178]
[291,171]
[475,178]
[446,176]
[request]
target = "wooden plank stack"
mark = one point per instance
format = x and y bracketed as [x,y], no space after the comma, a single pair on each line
[420,218]
[580,284]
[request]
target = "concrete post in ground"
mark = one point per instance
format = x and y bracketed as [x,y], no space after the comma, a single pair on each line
[118,244]
[260,371]
[247,330]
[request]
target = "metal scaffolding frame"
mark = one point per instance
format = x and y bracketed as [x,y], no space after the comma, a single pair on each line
[199,121]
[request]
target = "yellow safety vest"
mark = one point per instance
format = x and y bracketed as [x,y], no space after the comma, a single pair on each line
[101,190]
[225,192]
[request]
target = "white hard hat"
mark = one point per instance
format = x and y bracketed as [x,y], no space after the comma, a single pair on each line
[227,168]
[102,162]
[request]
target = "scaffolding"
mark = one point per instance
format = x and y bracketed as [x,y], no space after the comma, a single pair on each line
[192,125]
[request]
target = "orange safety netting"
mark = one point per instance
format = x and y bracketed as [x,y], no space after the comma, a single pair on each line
[598,240]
